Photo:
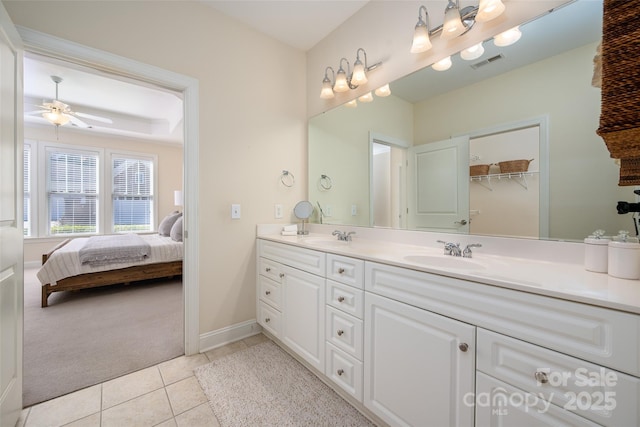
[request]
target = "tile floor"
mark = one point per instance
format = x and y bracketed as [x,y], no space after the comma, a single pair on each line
[166,395]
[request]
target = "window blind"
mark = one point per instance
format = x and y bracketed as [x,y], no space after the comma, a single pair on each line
[132,190]
[26,171]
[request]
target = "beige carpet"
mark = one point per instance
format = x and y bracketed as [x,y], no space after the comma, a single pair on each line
[264,386]
[87,337]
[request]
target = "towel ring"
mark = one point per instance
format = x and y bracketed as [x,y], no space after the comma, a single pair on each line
[287,179]
[325,182]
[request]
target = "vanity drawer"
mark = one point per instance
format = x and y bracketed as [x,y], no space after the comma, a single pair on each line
[345,298]
[270,292]
[345,371]
[602,395]
[345,332]
[499,404]
[607,337]
[349,271]
[270,269]
[303,259]
[269,319]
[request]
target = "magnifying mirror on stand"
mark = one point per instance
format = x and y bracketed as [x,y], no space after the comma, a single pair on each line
[303,211]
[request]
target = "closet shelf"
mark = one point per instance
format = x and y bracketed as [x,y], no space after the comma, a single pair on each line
[520,177]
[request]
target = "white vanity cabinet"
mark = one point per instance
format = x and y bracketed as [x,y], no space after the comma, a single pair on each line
[291,305]
[418,365]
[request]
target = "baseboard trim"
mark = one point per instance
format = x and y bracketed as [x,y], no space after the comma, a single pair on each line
[220,337]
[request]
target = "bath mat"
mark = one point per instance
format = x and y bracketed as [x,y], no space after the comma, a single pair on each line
[264,386]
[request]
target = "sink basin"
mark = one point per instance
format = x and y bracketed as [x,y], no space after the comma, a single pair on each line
[445,261]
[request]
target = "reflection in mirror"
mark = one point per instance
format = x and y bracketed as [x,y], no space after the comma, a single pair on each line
[537,89]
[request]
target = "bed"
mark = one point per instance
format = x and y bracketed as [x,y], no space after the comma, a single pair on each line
[62,269]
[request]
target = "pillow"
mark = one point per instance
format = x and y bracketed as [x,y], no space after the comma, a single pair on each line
[164,229]
[176,230]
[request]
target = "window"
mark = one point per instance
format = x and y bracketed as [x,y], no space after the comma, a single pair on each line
[26,170]
[132,193]
[72,191]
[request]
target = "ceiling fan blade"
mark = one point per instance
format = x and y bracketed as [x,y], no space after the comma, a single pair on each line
[77,122]
[31,113]
[92,117]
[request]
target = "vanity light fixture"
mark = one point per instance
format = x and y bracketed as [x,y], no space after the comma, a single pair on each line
[359,76]
[383,91]
[341,84]
[442,65]
[489,9]
[452,26]
[327,85]
[367,97]
[421,41]
[473,52]
[508,37]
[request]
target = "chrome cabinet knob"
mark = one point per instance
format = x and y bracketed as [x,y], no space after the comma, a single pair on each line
[340,332]
[267,292]
[268,269]
[281,275]
[340,372]
[267,320]
[340,299]
[340,270]
[463,347]
[541,377]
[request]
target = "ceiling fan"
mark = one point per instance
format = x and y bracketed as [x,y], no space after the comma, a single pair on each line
[58,113]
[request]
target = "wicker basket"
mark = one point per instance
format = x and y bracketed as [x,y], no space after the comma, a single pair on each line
[476,170]
[514,166]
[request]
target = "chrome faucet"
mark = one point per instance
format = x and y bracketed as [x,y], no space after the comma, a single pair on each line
[466,253]
[452,249]
[343,235]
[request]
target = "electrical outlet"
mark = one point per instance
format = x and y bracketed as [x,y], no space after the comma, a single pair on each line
[277,211]
[235,211]
[354,210]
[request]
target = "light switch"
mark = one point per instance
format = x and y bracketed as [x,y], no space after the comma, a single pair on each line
[354,210]
[277,211]
[235,211]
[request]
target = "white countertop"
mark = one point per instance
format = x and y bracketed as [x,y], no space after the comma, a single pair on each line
[565,280]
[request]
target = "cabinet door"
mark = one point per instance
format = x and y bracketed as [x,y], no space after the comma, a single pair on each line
[418,366]
[303,315]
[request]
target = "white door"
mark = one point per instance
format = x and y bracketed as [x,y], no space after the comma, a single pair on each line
[418,366]
[438,186]
[11,196]
[303,314]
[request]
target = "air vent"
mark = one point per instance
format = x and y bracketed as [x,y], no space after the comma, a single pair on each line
[486,61]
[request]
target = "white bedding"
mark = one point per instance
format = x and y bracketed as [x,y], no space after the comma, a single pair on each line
[65,262]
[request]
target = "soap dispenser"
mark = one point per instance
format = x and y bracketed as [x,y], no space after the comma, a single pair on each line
[596,252]
[624,256]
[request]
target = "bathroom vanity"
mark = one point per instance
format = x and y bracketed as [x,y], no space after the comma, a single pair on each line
[420,338]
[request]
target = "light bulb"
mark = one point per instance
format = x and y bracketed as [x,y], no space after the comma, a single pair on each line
[507,38]
[367,97]
[327,90]
[383,91]
[442,65]
[489,9]
[351,104]
[452,26]
[472,52]
[359,76]
[341,84]
[56,117]
[421,41]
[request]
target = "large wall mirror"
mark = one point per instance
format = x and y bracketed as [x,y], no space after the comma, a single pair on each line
[402,161]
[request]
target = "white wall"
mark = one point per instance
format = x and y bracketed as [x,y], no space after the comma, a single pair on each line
[252,121]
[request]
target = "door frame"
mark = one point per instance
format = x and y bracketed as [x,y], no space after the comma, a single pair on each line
[51,46]
[543,137]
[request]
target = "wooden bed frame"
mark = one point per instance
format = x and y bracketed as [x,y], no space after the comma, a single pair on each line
[109,277]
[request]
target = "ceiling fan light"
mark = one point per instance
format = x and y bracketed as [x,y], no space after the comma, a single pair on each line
[442,65]
[383,91]
[56,118]
[473,52]
[489,9]
[452,26]
[508,37]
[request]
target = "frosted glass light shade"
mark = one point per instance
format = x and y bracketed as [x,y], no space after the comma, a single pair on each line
[351,104]
[452,26]
[442,65]
[327,90]
[489,9]
[359,76]
[507,38]
[367,97]
[341,84]
[56,118]
[473,52]
[383,91]
[421,41]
